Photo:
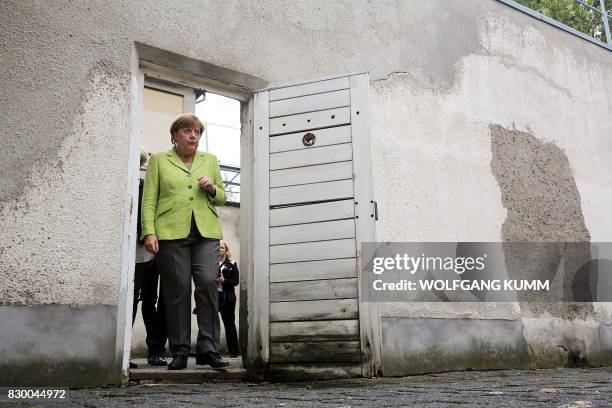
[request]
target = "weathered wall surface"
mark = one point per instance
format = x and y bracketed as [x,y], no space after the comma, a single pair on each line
[448,79]
[515,149]
[56,345]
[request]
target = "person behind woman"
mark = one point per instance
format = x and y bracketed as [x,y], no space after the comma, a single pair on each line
[146,276]
[180,225]
[229,277]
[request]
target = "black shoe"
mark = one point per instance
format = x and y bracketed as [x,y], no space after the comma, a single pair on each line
[234,355]
[156,360]
[178,362]
[133,365]
[212,359]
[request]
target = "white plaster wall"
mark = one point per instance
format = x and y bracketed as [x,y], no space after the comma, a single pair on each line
[529,77]
[61,239]
[438,144]
[441,71]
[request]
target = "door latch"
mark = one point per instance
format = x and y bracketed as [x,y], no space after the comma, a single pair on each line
[375,215]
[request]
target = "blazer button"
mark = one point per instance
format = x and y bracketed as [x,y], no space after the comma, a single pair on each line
[190,198]
[189,186]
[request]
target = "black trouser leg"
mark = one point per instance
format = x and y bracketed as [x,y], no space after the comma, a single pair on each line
[139,275]
[153,312]
[229,322]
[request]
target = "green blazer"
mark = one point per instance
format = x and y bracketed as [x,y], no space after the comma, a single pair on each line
[172,193]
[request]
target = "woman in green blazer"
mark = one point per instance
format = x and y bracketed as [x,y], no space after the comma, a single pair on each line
[181,226]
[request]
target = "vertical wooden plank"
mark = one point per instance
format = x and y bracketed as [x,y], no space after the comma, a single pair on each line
[129,239]
[369,316]
[247,176]
[259,301]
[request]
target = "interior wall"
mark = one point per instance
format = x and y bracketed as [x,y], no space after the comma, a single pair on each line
[159,110]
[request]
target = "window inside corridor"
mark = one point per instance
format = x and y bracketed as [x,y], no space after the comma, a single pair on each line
[221,117]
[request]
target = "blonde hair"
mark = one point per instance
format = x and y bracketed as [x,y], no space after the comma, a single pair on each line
[228,254]
[144,156]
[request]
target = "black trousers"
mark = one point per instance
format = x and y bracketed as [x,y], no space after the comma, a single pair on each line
[146,276]
[227,307]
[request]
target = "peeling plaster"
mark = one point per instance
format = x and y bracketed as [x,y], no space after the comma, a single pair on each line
[543,203]
[441,72]
[538,189]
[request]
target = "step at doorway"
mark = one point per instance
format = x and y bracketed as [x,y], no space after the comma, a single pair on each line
[193,374]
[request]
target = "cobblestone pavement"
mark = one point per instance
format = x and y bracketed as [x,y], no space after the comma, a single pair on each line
[506,388]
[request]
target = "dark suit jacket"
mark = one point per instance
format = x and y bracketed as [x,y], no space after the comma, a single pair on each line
[231,274]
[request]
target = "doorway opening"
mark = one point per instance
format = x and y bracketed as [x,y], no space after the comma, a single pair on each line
[167,85]
[304,179]
[162,102]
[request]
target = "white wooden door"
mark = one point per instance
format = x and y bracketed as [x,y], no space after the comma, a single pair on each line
[313,206]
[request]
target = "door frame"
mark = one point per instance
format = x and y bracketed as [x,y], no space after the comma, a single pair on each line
[183,71]
[254,312]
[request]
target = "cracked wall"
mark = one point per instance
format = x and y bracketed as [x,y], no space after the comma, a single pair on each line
[441,72]
[424,77]
[65,72]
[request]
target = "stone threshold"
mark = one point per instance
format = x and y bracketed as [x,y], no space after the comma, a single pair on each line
[193,374]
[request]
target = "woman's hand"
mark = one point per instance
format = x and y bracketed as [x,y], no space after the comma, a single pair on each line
[207,185]
[151,244]
[221,279]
